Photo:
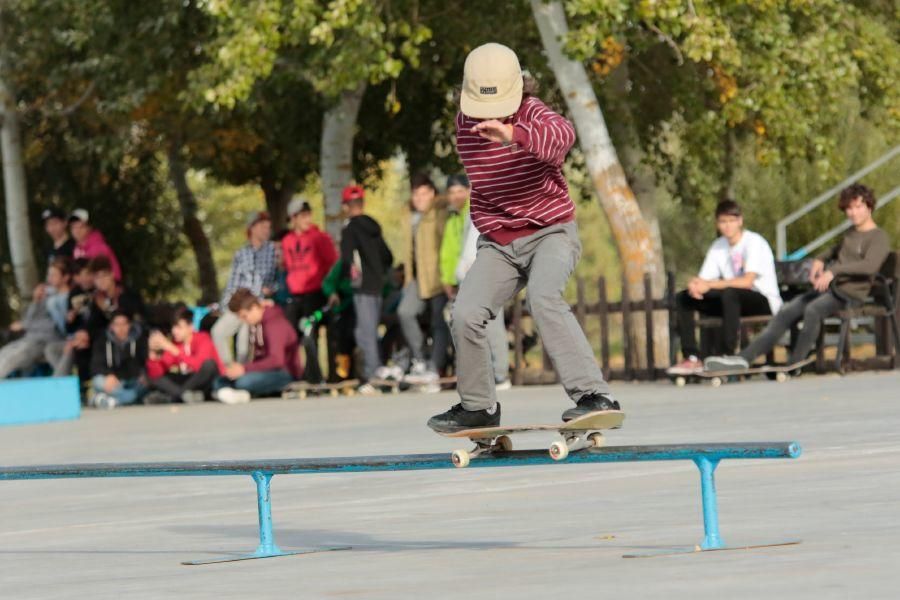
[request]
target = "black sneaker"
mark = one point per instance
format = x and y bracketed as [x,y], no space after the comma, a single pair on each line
[458,418]
[590,403]
[156,397]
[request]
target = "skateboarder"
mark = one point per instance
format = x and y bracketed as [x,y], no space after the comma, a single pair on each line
[513,146]
[861,252]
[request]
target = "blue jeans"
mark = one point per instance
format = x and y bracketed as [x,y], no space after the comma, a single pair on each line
[258,383]
[128,392]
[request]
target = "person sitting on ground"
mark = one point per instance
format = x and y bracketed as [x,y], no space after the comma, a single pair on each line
[90,243]
[275,361]
[254,267]
[840,276]
[43,324]
[308,254]
[424,290]
[183,368]
[737,279]
[107,298]
[118,360]
[366,260]
[61,243]
[457,257]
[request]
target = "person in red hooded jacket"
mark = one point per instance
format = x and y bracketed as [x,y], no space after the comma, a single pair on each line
[308,254]
[184,367]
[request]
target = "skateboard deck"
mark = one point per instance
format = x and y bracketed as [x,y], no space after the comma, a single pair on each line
[401,385]
[779,373]
[578,434]
[302,389]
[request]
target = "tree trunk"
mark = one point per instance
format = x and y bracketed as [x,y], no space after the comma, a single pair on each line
[338,131]
[278,195]
[632,232]
[193,229]
[18,229]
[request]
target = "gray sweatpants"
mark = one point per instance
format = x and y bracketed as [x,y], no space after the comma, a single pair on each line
[542,261]
[368,316]
[495,330]
[23,353]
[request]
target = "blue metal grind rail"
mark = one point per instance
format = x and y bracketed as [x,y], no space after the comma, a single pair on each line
[705,456]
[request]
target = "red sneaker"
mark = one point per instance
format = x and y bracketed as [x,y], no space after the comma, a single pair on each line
[690,365]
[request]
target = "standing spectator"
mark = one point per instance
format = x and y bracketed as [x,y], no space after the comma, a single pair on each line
[737,279]
[254,267]
[841,275]
[44,322]
[465,258]
[89,242]
[308,254]
[183,368]
[275,361]
[366,259]
[423,288]
[117,363]
[60,244]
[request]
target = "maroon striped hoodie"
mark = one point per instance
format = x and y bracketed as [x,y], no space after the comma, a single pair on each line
[518,189]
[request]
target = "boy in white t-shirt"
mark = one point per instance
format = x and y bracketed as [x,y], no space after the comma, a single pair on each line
[737,279]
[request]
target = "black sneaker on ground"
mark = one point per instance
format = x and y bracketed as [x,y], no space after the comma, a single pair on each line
[156,397]
[590,403]
[458,418]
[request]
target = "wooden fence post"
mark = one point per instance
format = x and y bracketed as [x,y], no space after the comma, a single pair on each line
[626,328]
[648,327]
[603,312]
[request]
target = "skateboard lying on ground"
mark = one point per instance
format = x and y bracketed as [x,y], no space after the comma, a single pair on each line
[302,389]
[401,385]
[779,373]
[578,434]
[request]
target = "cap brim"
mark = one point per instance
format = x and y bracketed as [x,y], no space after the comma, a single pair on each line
[490,110]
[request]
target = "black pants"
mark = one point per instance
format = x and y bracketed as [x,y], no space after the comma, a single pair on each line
[175,384]
[730,304]
[812,307]
[300,306]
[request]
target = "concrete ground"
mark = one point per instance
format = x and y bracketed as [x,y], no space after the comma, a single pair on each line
[536,532]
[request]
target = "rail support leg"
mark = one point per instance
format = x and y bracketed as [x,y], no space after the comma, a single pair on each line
[267,547]
[711,539]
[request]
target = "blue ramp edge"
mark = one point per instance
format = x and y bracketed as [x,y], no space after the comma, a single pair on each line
[39,400]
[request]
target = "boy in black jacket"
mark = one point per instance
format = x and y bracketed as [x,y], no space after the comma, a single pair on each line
[118,361]
[366,258]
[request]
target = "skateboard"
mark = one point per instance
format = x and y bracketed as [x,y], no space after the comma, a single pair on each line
[578,434]
[301,389]
[779,373]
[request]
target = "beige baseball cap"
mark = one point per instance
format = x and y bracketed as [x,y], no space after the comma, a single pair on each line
[492,83]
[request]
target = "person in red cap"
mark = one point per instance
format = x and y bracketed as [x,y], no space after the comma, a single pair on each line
[513,147]
[365,258]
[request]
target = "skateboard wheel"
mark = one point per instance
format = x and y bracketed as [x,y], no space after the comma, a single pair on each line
[335,393]
[302,395]
[715,381]
[781,377]
[559,450]
[504,443]
[596,439]
[460,458]
[680,381]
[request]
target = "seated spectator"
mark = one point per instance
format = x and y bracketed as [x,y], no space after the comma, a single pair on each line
[118,358]
[61,244]
[183,368]
[840,276]
[274,350]
[341,320]
[89,242]
[737,279]
[78,304]
[43,324]
[91,322]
